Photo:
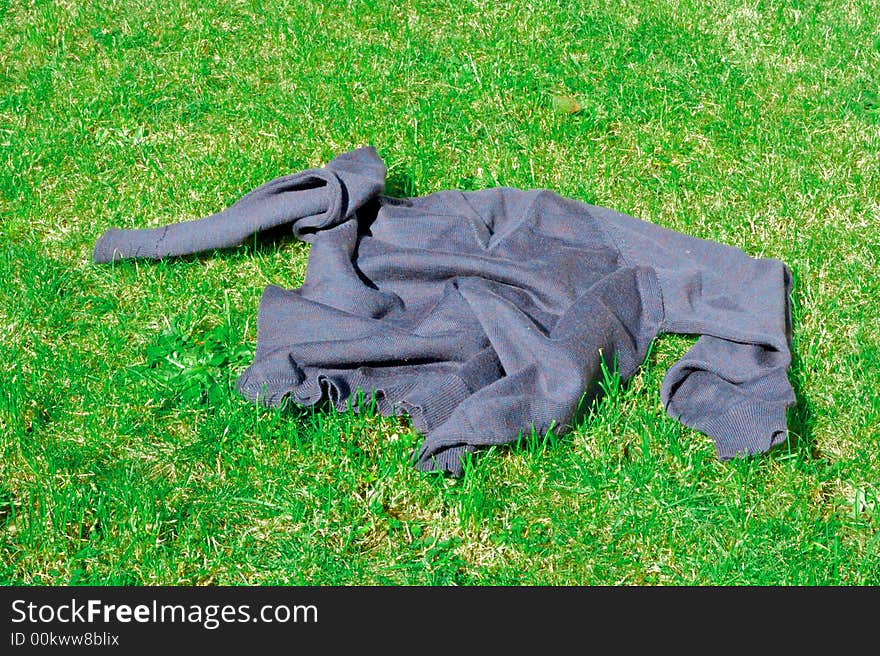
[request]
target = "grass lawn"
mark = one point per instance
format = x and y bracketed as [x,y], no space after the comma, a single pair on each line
[127,456]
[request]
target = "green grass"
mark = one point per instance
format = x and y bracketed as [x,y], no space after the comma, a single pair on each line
[127,457]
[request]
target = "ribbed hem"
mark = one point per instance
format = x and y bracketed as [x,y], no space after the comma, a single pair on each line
[270,390]
[428,405]
[748,428]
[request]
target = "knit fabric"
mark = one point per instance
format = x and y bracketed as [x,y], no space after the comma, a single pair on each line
[486,315]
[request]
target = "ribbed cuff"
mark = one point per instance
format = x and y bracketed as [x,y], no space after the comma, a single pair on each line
[748,428]
[117,244]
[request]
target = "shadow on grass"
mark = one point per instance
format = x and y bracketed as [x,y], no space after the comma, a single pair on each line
[400,185]
[802,417]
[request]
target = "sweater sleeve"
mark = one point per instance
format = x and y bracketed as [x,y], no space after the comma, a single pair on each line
[733,383]
[307,201]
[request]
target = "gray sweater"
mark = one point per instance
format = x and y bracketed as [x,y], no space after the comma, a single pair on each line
[487,315]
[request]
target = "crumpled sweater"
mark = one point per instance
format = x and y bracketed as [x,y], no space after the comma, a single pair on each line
[488,315]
